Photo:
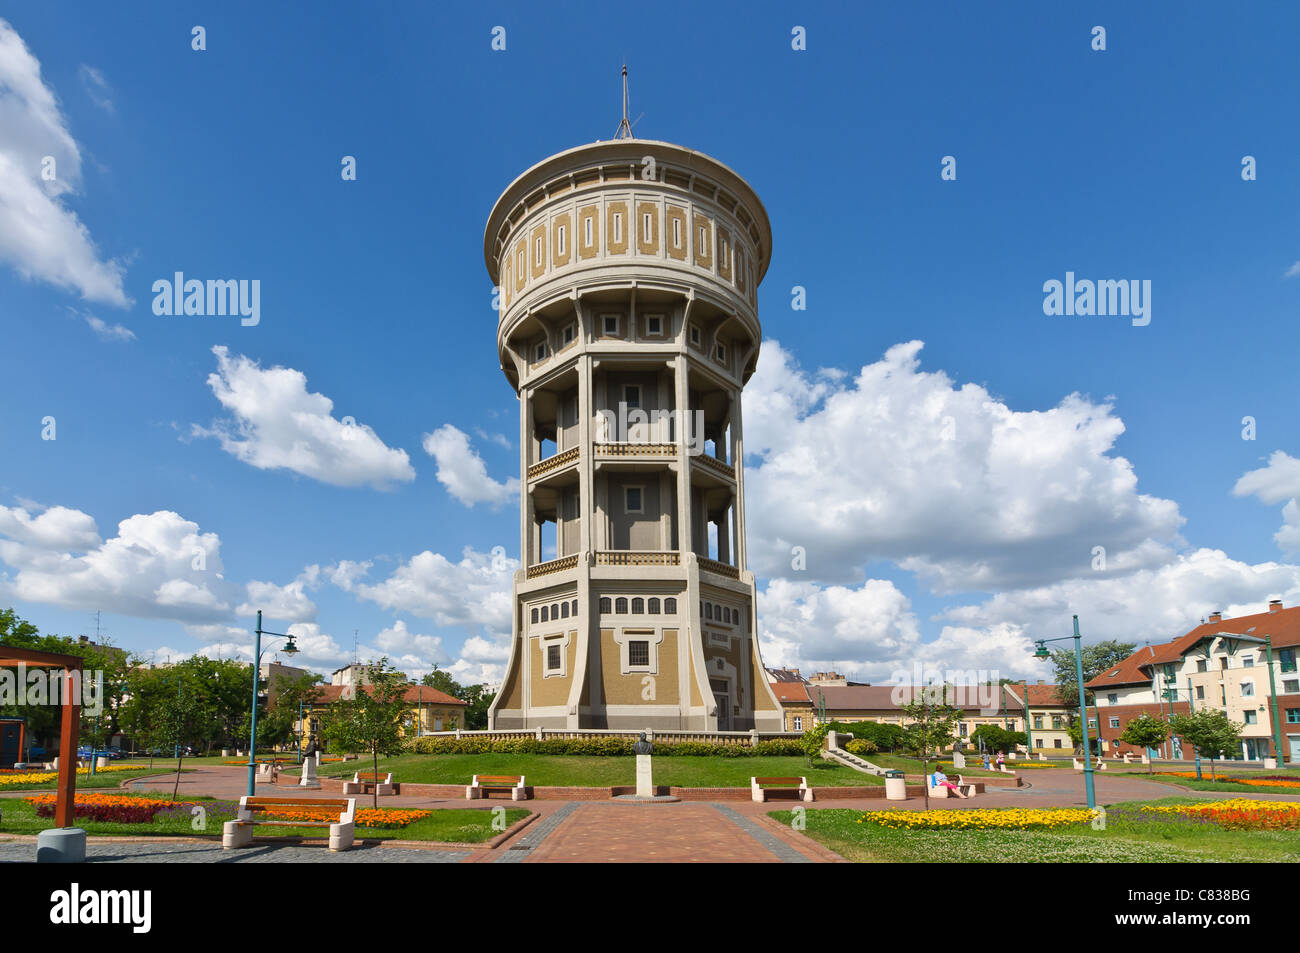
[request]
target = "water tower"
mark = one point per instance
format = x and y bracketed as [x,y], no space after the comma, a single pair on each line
[628,273]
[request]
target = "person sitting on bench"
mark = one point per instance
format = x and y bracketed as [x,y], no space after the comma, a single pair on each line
[940,780]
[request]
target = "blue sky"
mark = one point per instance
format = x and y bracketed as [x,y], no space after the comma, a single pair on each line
[1122,163]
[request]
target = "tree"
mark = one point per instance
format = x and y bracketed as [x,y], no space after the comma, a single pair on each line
[476,697]
[1210,732]
[371,720]
[291,696]
[996,738]
[180,718]
[1146,731]
[103,666]
[929,725]
[1096,658]
[811,741]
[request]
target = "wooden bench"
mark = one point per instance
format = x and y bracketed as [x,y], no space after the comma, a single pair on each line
[966,787]
[483,784]
[759,788]
[363,782]
[253,812]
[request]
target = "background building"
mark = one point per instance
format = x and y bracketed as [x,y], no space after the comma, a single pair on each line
[1221,664]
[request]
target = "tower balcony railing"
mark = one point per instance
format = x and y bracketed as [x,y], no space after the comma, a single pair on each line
[657,451]
[634,557]
[722,569]
[554,565]
[553,462]
[716,465]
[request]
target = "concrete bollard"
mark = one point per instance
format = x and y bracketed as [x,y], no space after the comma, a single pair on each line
[61,845]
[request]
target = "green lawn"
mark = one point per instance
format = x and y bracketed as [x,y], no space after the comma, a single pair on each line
[106,779]
[544,770]
[459,825]
[1127,838]
[908,765]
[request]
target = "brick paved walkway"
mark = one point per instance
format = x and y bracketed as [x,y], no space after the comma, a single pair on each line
[609,831]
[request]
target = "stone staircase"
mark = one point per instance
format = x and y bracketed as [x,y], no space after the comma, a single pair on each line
[833,752]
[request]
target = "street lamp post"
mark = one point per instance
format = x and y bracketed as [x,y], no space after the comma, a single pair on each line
[1191,707]
[289,649]
[1279,755]
[1041,652]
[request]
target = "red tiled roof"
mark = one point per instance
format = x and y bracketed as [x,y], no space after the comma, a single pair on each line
[414,694]
[1127,672]
[1040,696]
[790,691]
[1283,626]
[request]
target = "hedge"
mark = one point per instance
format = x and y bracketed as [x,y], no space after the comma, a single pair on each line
[604,747]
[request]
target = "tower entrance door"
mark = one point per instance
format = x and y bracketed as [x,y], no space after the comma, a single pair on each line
[722,698]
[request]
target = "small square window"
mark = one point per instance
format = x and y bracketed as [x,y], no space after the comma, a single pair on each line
[654,325]
[609,325]
[570,332]
[638,653]
[1114,722]
[1247,689]
[552,658]
[1248,662]
[1252,718]
[632,502]
[539,352]
[720,352]
[632,396]
[695,336]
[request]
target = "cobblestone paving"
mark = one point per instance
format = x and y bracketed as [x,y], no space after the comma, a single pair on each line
[784,851]
[136,853]
[517,850]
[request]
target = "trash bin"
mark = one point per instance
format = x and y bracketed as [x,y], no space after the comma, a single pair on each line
[895,786]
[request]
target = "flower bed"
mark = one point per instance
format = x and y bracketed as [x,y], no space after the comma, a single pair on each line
[25,778]
[1255,781]
[1239,813]
[980,819]
[143,810]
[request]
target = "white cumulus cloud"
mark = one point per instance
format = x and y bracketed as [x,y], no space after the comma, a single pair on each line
[278,424]
[40,237]
[949,482]
[462,471]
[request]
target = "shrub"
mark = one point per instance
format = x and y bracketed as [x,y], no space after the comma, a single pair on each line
[598,746]
[860,747]
[884,737]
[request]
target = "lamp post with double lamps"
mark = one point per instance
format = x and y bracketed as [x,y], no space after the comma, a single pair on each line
[1042,652]
[289,649]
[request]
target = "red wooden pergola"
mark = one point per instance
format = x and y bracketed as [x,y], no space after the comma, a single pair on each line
[70,700]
